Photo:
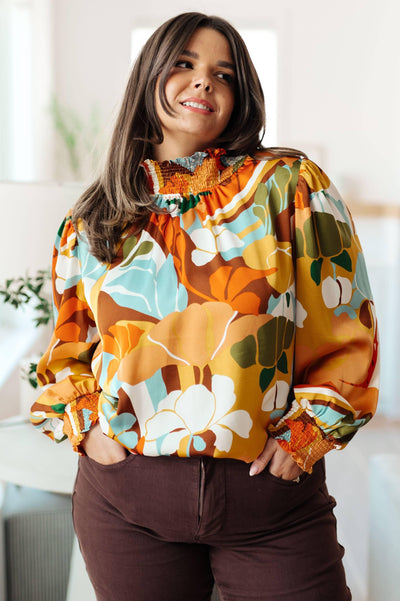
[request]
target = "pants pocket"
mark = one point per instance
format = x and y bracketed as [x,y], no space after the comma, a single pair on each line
[266,502]
[156,493]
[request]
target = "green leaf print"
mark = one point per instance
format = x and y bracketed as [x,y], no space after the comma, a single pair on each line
[315,271]
[266,377]
[272,338]
[58,408]
[128,246]
[260,213]
[323,236]
[299,243]
[310,239]
[278,191]
[244,352]
[343,260]
[261,195]
[289,332]
[345,233]
[143,249]
[282,178]
[328,234]
[282,364]
[266,336]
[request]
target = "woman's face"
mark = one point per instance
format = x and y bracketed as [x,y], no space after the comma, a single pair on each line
[201,91]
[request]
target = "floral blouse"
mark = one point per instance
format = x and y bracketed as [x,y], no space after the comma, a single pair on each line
[241,311]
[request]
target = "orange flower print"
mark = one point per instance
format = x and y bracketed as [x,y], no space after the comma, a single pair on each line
[121,339]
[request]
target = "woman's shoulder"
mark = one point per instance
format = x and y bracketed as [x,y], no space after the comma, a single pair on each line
[308,171]
[70,233]
[70,225]
[272,160]
[283,153]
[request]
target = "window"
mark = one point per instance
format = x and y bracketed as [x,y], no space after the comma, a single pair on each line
[16,82]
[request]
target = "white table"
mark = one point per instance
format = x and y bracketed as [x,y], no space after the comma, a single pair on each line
[29,458]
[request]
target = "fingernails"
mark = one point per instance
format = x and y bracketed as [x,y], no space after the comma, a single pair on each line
[253,470]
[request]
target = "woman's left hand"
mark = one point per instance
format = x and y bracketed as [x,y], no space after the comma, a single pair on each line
[279,462]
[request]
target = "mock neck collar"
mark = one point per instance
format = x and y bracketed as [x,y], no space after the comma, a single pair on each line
[186,176]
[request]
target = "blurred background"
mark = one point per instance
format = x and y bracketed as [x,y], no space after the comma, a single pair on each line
[331,78]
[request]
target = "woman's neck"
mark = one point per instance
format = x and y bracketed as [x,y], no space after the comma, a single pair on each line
[168,150]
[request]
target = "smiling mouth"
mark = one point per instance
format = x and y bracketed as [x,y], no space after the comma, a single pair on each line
[197,105]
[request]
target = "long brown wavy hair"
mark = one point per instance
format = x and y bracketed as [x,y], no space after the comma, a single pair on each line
[120,196]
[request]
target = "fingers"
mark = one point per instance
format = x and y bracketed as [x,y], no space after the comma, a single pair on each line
[280,463]
[283,466]
[264,458]
[101,448]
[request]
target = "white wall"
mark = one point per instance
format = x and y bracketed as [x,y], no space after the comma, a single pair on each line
[339,89]
[30,217]
[380,238]
[346,91]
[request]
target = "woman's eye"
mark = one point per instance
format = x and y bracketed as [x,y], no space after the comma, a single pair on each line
[183,64]
[228,77]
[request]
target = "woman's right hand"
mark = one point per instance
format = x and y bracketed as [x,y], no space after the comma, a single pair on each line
[102,448]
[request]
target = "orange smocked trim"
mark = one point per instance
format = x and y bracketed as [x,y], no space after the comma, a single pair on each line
[80,415]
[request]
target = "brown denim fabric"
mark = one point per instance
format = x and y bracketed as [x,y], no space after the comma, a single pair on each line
[164,528]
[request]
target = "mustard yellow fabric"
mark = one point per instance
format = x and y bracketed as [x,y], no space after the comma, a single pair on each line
[242,310]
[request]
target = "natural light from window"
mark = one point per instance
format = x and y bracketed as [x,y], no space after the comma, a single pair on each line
[22,163]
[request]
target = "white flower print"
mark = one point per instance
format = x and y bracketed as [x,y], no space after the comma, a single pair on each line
[67,268]
[301,314]
[276,397]
[208,243]
[336,292]
[183,416]
[206,247]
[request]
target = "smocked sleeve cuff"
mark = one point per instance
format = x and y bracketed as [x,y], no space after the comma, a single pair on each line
[303,440]
[319,420]
[80,415]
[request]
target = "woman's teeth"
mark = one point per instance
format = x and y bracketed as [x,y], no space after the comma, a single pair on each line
[196,105]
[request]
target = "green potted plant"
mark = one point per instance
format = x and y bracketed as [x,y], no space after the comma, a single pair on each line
[33,292]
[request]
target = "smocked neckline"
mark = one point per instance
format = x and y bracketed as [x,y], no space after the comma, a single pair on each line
[184,177]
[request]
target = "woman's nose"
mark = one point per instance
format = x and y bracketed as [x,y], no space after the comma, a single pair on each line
[202,83]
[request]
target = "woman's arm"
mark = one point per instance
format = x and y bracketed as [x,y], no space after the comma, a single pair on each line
[68,403]
[336,371]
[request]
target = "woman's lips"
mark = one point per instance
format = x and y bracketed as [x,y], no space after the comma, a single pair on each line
[198,105]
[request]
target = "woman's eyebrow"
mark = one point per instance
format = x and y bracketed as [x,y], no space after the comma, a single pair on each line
[226,64]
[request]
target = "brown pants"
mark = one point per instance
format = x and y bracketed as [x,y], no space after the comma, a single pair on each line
[164,528]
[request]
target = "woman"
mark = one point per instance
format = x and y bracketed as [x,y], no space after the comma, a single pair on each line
[215,337]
